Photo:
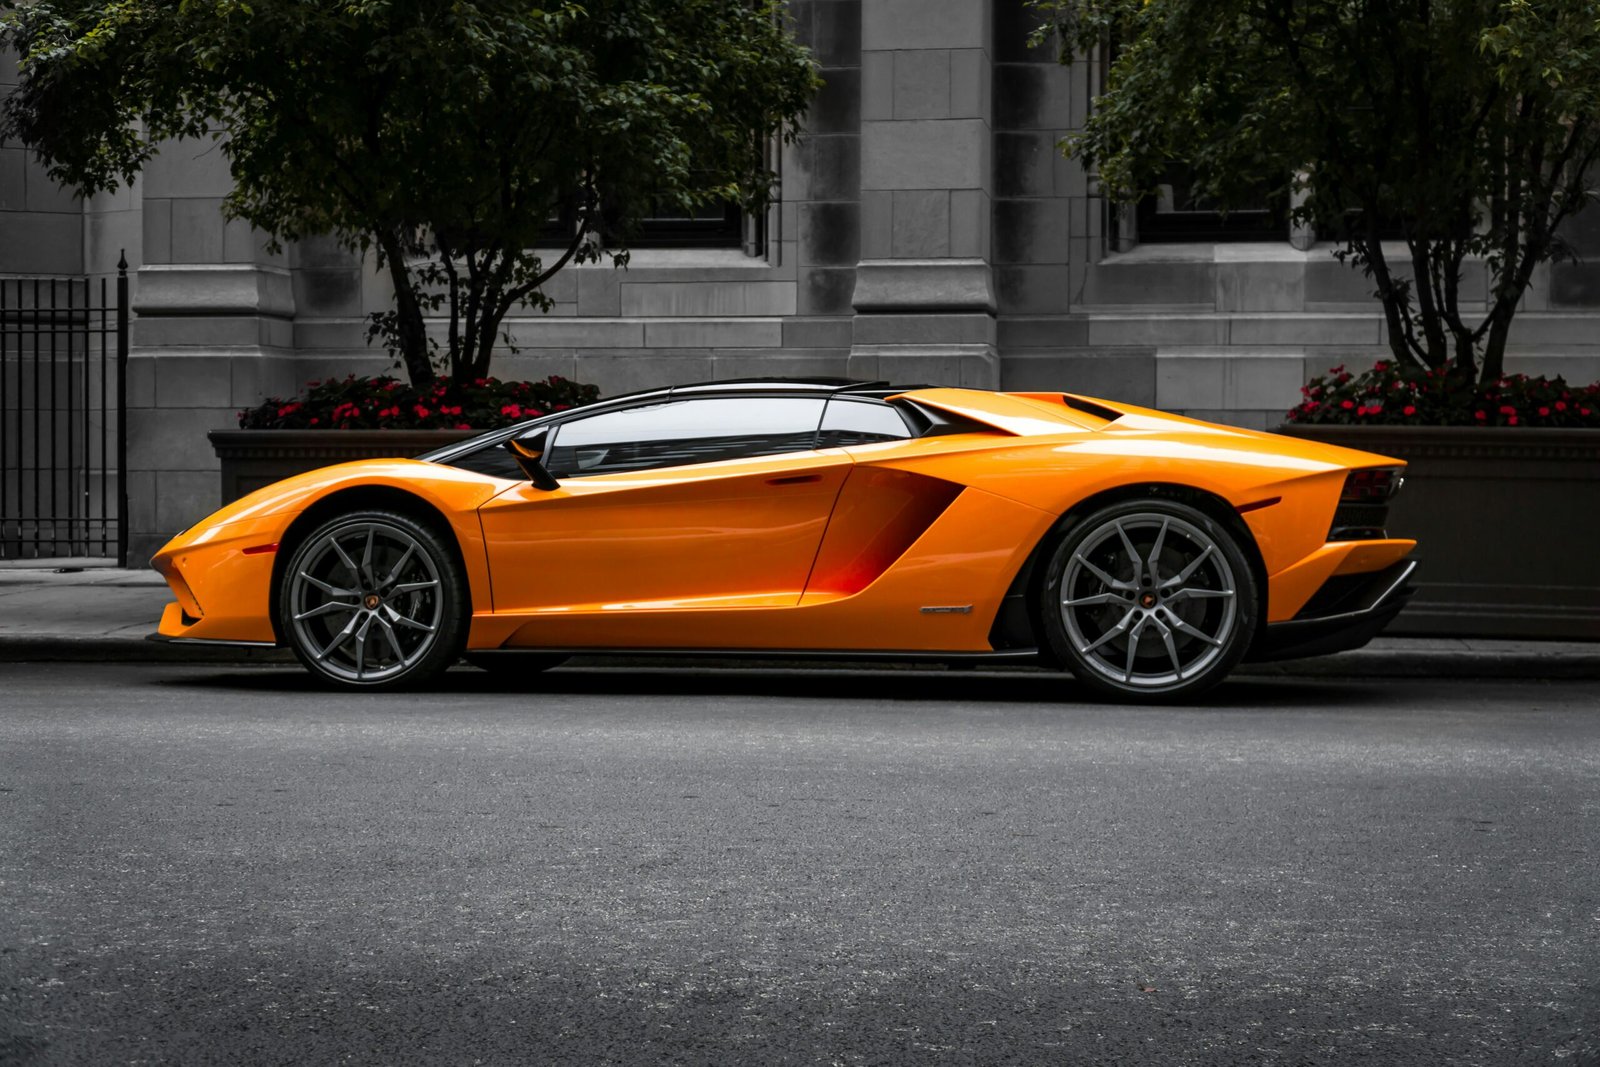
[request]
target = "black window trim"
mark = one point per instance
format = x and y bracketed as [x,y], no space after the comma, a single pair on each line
[589,412]
[940,422]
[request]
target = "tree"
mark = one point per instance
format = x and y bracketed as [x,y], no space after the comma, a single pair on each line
[1466,128]
[445,135]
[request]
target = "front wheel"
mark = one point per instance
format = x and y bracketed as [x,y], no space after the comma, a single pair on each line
[374,600]
[1148,600]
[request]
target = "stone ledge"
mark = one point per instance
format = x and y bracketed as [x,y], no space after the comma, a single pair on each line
[214,289]
[924,285]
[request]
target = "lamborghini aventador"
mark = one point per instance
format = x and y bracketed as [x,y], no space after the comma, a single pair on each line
[1145,553]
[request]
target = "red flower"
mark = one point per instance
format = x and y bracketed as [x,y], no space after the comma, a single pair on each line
[288,409]
[421,411]
[1561,405]
[1409,409]
[1507,409]
[1544,411]
[314,421]
[513,410]
[463,426]
[1347,404]
[1480,416]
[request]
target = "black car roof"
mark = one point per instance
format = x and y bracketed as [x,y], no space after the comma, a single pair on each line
[826,386]
[821,387]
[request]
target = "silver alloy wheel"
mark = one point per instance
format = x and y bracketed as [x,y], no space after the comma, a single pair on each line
[366,603]
[1148,600]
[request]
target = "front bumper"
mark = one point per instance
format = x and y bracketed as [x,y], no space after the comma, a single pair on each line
[221,578]
[1347,612]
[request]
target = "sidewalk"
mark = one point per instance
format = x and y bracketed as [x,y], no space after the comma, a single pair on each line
[83,611]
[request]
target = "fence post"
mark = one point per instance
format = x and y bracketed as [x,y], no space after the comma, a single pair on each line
[123,513]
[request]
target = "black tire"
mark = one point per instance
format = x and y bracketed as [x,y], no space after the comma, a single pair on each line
[1141,635]
[513,665]
[374,600]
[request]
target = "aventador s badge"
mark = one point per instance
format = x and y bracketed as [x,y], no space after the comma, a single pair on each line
[948,609]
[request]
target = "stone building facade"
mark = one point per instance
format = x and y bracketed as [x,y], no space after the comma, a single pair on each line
[928,230]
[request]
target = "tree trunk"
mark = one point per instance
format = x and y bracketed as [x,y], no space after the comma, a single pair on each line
[413,331]
[1491,365]
[1399,341]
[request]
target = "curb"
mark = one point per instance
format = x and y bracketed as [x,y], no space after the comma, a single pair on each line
[1363,663]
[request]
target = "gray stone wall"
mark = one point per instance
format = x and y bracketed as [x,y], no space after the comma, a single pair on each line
[41,224]
[927,229]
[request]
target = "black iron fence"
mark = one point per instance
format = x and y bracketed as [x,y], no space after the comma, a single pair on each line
[63,431]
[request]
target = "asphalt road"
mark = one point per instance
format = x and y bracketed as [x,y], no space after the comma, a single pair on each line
[208,865]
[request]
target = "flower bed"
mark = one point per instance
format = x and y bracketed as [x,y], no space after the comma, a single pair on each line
[385,403]
[371,418]
[1393,395]
[1499,493]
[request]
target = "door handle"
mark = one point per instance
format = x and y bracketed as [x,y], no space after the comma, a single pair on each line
[795,479]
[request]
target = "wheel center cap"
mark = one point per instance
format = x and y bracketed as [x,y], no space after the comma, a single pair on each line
[1148,600]
[372,600]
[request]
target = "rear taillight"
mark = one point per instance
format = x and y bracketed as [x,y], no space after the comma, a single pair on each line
[1363,509]
[1372,485]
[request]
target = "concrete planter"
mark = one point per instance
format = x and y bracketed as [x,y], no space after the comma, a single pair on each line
[254,458]
[1506,520]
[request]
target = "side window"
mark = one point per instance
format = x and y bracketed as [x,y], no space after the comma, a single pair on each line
[680,432]
[860,422]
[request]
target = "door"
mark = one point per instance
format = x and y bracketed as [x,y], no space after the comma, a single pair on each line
[704,502]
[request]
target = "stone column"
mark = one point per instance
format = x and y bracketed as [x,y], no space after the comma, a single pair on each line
[214,319]
[924,295]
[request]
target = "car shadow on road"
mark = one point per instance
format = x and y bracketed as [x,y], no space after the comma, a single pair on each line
[1013,686]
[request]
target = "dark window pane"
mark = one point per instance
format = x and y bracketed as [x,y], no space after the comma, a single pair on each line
[713,226]
[493,460]
[718,225]
[1180,214]
[688,431]
[860,422]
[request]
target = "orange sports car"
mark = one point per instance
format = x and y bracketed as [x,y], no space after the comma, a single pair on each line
[1144,552]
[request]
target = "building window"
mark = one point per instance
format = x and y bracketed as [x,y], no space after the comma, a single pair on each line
[721,225]
[713,226]
[1178,214]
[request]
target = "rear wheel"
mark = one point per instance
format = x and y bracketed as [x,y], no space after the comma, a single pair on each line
[1149,600]
[374,600]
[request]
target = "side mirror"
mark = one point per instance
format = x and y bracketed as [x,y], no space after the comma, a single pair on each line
[529,453]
